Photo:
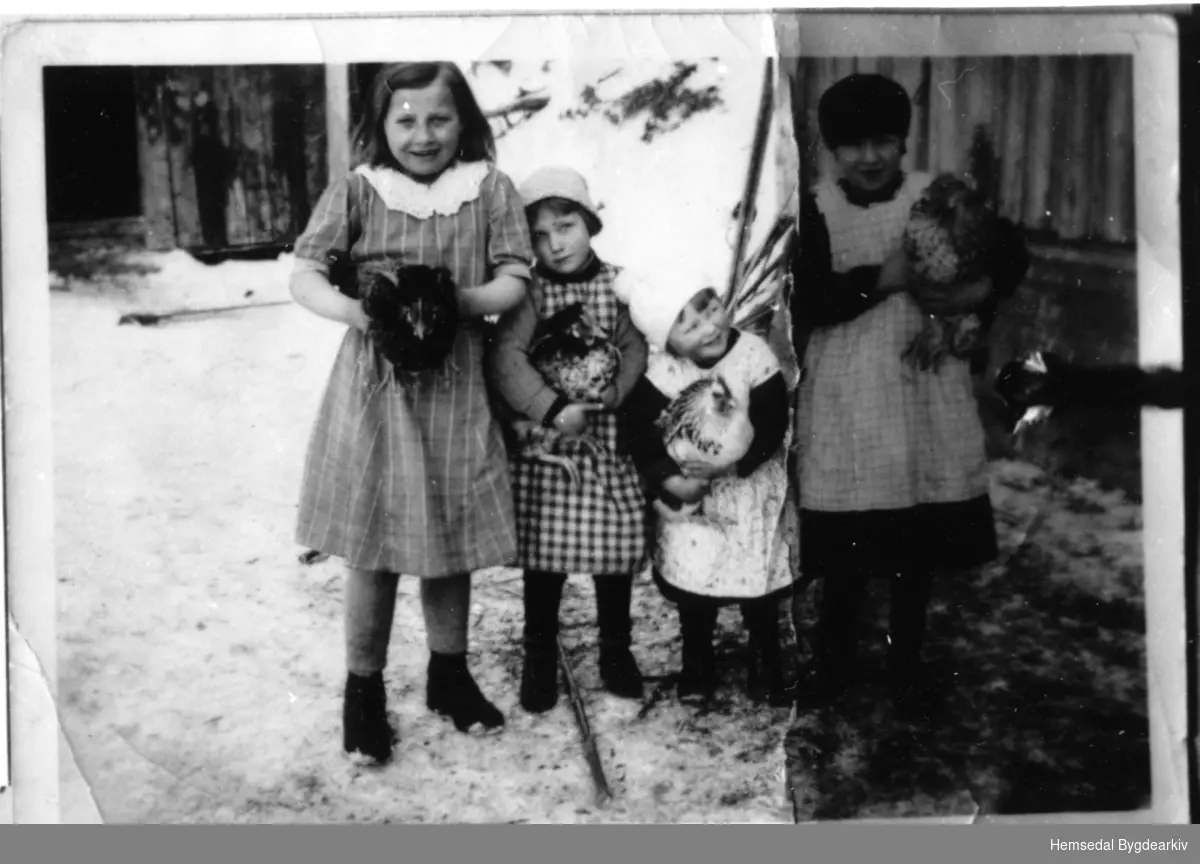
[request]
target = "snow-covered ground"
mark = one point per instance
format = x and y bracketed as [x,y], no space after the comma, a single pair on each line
[201,664]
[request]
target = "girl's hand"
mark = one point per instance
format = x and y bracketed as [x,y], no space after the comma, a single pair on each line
[953,299]
[893,275]
[705,471]
[609,397]
[689,490]
[359,319]
[572,420]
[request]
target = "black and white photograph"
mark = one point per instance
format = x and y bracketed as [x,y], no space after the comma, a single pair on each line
[745,418]
[985,651]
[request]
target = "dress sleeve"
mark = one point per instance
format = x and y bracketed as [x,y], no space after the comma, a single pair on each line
[642,410]
[1011,261]
[821,297]
[769,414]
[512,375]
[334,226]
[634,353]
[509,249]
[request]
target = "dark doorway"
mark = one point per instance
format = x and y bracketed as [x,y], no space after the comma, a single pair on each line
[91,143]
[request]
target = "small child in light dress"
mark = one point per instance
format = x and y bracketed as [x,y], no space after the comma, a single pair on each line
[733,550]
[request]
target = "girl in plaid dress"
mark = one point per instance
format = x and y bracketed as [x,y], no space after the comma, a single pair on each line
[734,550]
[597,526]
[402,475]
[893,478]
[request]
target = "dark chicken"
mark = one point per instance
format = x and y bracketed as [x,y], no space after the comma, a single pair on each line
[1033,387]
[414,314]
[949,241]
[577,360]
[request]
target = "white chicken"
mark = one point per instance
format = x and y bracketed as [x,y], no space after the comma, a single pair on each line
[707,422]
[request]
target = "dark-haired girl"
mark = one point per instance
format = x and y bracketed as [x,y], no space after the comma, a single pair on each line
[403,476]
[893,477]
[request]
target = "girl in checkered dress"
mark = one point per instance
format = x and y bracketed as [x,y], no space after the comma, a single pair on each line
[403,475]
[596,526]
[893,479]
[734,548]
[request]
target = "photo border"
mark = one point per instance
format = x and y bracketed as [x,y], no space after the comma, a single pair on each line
[27,425]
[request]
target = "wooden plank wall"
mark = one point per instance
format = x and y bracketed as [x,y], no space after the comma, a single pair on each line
[1062,129]
[230,155]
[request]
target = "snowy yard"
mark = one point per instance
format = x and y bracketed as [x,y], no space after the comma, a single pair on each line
[201,664]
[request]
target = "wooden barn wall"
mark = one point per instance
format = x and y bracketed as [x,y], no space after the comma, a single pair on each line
[230,155]
[1062,128]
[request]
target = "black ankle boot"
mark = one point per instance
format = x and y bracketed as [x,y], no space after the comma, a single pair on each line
[451,691]
[365,727]
[698,676]
[765,680]
[619,670]
[539,677]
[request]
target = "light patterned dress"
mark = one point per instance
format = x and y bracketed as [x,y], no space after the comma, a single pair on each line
[873,433]
[412,477]
[736,547]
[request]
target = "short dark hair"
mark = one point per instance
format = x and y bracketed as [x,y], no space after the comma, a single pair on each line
[476,144]
[860,106]
[702,298]
[563,207]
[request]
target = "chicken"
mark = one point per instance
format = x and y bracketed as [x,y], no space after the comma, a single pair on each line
[948,241]
[577,360]
[574,357]
[707,422]
[1034,387]
[414,314]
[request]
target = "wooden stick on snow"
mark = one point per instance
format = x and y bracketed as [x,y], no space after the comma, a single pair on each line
[590,752]
[150,319]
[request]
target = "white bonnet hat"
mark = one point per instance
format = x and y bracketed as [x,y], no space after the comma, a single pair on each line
[655,309]
[559,182]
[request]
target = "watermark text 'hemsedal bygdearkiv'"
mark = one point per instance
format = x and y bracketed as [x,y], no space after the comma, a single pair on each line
[1118,844]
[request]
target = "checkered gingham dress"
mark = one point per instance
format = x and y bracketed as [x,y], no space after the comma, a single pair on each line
[598,527]
[412,478]
[873,433]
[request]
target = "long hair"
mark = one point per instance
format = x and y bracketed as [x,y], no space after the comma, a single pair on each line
[476,144]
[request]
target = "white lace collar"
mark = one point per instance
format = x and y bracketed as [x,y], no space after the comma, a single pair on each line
[445,196]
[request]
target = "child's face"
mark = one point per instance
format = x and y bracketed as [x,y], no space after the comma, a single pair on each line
[701,333]
[422,129]
[561,242]
[871,164]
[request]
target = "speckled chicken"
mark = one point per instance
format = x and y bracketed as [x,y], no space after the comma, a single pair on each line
[575,358]
[948,241]
[414,314]
[707,422]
